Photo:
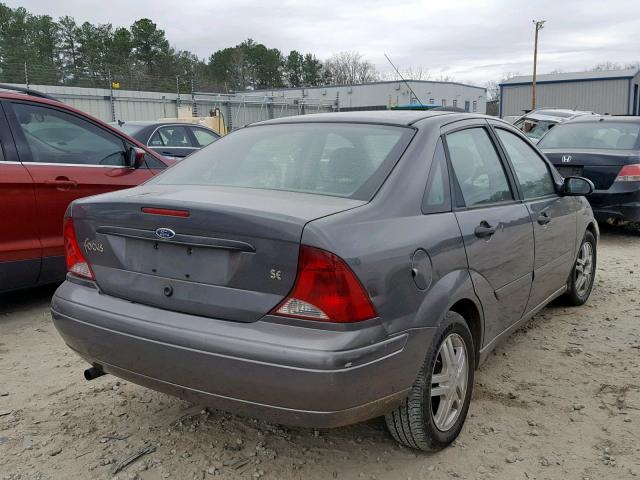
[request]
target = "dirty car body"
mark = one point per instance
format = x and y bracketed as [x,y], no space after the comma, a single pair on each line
[211,283]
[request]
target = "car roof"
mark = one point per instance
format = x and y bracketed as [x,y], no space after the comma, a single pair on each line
[557,114]
[382,117]
[606,118]
[141,123]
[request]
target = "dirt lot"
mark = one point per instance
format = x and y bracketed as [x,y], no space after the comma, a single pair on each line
[559,400]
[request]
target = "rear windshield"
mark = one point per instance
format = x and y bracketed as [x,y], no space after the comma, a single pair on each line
[600,135]
[337,159]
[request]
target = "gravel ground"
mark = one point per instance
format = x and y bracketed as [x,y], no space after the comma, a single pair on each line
[559,400]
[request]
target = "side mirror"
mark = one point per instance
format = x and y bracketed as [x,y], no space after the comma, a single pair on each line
[577,186]
[134,157]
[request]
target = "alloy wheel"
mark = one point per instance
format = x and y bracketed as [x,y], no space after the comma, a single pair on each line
[584,269]
[449,382]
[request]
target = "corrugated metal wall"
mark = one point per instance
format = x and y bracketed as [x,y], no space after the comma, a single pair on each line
[128,105]
[600,96]
[389,94]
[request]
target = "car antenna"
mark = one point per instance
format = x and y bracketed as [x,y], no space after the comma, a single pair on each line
[402,78]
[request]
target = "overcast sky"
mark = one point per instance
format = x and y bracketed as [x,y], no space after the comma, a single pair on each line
[472,41]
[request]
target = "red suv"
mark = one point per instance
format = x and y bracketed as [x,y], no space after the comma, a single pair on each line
[52,154]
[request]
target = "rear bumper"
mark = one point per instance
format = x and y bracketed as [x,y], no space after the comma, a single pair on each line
[287,374]
[616,206]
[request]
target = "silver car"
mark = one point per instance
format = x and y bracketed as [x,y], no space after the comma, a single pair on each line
[538,122]
[326,269]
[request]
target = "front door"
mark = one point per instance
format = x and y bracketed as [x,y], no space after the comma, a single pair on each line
[67,157]
[496,228]
[553,217]
[20,250]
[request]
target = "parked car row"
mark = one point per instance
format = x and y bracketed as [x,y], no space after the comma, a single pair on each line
[317,270]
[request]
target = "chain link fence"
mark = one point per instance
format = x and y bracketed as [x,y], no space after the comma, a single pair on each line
[118,96]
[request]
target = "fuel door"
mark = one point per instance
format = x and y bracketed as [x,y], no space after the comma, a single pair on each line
[421,269]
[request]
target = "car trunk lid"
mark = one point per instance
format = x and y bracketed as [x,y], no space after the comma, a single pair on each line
[601,167]
[222,252]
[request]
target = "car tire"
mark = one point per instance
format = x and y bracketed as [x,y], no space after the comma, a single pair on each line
[419,421]
[580,281]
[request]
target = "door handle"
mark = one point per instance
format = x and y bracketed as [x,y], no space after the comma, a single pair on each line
[484,230]
[62,183]
[544,218]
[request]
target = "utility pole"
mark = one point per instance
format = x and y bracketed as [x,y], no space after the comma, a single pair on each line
[539,25]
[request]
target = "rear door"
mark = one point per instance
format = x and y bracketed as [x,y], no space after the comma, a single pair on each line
[553,217]
[68,157]
[496,226]
[202,136]
[173,141]
[20,251]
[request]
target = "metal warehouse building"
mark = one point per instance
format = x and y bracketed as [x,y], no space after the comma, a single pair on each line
[611,91]
[381,95]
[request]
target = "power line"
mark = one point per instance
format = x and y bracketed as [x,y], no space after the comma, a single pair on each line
[405,82]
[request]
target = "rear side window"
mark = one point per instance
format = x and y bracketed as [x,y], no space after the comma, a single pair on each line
[54,136]
[337,159]
[594,135]
[173,136]
[477,167]
[531,171]
[204,137]
[437,197]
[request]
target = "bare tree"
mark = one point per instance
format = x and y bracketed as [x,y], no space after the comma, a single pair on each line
[409,73]
[493,87]
[350,68]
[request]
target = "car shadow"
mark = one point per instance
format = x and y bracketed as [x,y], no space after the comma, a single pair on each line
[19,300]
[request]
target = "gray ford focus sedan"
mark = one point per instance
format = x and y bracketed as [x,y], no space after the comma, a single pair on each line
[325,269]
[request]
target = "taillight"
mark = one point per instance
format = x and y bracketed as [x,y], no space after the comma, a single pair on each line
[76,263]
[629,173]
[326,290]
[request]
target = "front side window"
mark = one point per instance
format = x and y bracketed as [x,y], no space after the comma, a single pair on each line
[477,167]
[531,171]
[595,135]
[337,159]
[54,136]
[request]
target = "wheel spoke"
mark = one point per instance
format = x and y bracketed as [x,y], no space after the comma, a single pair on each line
[438,378]
[443,410]
[440,391]
[448,354]
[461,361]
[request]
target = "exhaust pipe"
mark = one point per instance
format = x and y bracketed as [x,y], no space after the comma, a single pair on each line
[93,373]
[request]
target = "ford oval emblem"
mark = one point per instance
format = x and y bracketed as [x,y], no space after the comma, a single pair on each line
[165,233]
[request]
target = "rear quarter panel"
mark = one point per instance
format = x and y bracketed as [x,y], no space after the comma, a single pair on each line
[378,241]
